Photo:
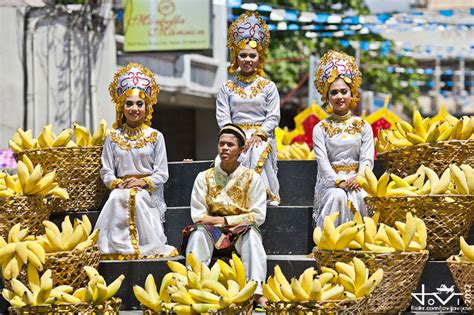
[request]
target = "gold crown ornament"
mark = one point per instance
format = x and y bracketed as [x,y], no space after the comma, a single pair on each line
[336,64]
[134,79]
[249,28]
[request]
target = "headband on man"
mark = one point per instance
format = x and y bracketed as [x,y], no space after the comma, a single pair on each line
[234,130]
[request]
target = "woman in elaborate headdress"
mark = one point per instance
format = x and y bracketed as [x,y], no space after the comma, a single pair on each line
[250,101]
[343,143]
[135,168]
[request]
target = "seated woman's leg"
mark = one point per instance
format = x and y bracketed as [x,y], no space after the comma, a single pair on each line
[201,245]
[254,258]
[334,200]
[150,233]
[113,224]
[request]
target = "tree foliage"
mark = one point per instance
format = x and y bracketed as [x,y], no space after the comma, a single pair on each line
[289,51]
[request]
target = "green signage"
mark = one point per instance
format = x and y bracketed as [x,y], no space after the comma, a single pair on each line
[163,25]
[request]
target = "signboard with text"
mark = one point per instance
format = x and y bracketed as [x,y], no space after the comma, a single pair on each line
[164,25]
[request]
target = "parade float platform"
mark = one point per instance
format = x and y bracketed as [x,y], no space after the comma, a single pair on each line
[287,236]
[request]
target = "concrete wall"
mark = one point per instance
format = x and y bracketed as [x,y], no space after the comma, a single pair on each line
[68,69]
[11,72]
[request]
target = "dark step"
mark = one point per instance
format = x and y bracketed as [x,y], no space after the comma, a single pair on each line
[297,180]
[429,297]
[137,271]
[287,230]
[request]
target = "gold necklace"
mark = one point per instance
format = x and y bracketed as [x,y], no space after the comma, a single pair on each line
[342,117]
[133,133]
[247,78]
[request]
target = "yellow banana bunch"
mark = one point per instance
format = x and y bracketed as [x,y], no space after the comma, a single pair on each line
[350,281]
[24,140]
[296,151]
[467,252]
[442,127]
[198,288]
[39,290]
[367,234]
[20,249]
[78,236]
[30,181]
[97,291]
[454,180]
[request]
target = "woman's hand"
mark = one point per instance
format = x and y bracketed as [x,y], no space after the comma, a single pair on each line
[254,141]
[351,184]
[132,182]
[214,220]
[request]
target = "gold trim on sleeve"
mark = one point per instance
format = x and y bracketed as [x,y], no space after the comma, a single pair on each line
[149,183]
[115,183]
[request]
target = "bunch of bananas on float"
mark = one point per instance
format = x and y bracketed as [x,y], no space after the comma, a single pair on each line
[466,253]
[40,290]
[199,289]
[296,151]
[442,127]
[20,249]
[30,181]
[367,234]
[456,180]
[23,140]
[348,281]
[78,236]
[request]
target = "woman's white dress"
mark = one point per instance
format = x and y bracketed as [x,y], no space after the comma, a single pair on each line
[131,222]
[343,149]
[254,106]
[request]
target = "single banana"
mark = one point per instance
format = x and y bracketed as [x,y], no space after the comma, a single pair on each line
[459,179]
[100,134]
[396,240]
[45,138]
[432,176]
[469,174]
[205,296]
[466,249]
[298,291]
[83,136]
[371,180]
[246,293]
[63,138]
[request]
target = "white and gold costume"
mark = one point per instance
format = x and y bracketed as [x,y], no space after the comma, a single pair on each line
[240,198]
[344,145]
[131,222]
[252,102]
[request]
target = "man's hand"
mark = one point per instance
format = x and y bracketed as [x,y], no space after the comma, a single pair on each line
[214,220]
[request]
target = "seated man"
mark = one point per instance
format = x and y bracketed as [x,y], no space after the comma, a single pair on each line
[228,203]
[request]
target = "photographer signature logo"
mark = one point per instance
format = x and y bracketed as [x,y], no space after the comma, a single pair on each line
[443,295]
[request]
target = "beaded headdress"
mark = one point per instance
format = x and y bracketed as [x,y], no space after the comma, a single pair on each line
[335,64]
[249,28]
[134,79]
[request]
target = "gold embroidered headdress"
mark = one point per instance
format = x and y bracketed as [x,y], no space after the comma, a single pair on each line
[134,79]
[249,28]
[335,64]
